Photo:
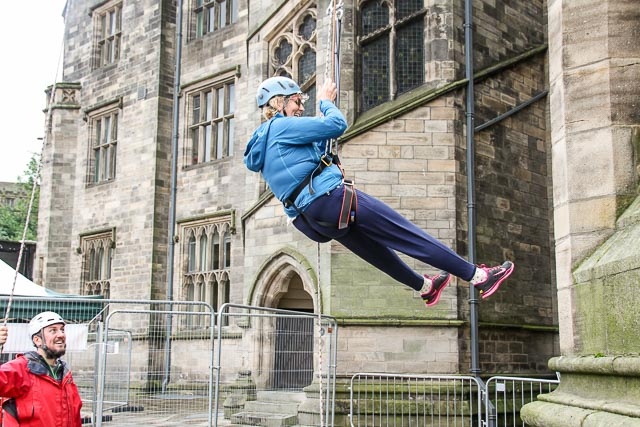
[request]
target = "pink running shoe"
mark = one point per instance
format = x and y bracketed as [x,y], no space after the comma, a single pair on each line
[438,283]
[495,276]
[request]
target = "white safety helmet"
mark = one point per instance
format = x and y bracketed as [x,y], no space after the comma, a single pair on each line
[42,320]
[275,86]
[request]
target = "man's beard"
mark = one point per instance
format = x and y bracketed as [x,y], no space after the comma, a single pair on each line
[53,354]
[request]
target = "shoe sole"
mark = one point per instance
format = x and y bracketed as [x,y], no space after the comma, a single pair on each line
[498,283]
[439,292]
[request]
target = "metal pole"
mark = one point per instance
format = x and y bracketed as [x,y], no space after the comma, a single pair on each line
[172,202]
[473,294]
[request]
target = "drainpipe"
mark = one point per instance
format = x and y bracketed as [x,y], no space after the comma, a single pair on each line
[471,204]
[172,201]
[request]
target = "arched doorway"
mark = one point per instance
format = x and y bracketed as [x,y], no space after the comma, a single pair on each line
[285,283]
[293,361]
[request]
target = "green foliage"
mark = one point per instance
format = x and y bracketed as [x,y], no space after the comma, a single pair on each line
[13,218]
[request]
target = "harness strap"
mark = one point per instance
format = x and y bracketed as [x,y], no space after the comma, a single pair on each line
[349,205]
[349,197]
[325,161]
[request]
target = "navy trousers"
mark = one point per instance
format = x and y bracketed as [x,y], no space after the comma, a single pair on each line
[376,234]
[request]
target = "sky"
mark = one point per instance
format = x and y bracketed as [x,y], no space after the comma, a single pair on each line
[31,46]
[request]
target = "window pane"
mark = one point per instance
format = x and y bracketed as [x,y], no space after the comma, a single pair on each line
[310,106]
[203,252]
[223,14]
[373,16]
[113,161]
[306,65]
[227,251]
[207,143]
[375,73]
[214,295]
[190,294]
[230,135]
[191,262]
[232,98]
[307,27]
[199,23]
[116,48]
[211,19]
[215,253]
[107,163]
[209,111]
[194,145]
[96,165]
[91,264]
[114,127]
[219,140]
[196,109]
[112,51]
[220,97]
[233,4]
[405,8]
[118,19]
[283,51]
[107,130]
[409,56]
[99,262]
[96,141]
[112,22]
[109,256]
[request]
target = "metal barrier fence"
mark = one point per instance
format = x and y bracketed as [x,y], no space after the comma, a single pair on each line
[415,400]
[134,362]
[161,363]
[177,363]
[441,400]
[507,395]
[275,367]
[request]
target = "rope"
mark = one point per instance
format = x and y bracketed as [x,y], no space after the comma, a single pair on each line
[332,56]
[36,178]
[320,335]
[24,236]
[331,68]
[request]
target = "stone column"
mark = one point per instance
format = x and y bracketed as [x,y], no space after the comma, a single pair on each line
[57,188]
[594,78]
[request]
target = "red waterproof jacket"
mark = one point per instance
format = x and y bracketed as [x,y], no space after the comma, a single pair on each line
[33,398]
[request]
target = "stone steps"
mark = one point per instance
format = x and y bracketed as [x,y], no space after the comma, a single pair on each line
[271,409]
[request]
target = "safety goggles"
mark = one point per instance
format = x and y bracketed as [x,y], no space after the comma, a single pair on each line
[300,98]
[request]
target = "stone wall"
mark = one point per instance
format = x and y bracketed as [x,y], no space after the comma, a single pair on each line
[413,160]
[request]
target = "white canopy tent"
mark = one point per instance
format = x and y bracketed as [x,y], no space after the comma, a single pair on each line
[24,287]
[19,340]
[31,299]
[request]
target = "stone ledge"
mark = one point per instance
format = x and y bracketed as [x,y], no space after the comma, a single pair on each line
[545,414]
[616,407]
[608,365]
[593,392]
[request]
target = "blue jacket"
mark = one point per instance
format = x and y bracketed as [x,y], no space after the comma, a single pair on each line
[287,149]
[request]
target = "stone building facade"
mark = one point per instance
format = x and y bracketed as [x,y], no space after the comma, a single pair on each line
[594,80]
[106,195]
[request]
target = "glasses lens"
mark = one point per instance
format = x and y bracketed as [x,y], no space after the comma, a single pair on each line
[300,98]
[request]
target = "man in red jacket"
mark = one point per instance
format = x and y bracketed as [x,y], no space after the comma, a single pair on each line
[37,387]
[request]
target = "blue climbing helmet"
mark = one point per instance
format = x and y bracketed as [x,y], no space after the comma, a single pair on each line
[275,86]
